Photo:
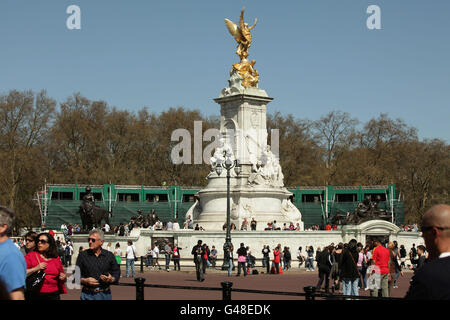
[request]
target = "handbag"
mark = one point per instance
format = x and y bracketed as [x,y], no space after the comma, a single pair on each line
[35,280]
[356,266]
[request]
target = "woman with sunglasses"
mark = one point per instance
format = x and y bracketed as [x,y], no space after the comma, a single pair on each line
[30,243]
[45,257]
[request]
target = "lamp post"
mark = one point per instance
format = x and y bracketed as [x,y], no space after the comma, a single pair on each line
[228,164]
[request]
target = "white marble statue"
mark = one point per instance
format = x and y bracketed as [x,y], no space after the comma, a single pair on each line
[224,149]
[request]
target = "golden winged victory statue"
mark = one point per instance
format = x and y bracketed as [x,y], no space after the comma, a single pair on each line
[243,37]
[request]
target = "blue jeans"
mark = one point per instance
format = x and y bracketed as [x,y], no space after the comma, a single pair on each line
[96,296]
[130,264]
[167,261]
[243,266]
[311,263]
[230,267]
[350,287]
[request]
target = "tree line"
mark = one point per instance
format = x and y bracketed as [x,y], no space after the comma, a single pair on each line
[89,142]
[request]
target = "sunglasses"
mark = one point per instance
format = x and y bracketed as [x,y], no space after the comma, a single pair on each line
[42,241]
[428,228]
[91,239]
[29,240]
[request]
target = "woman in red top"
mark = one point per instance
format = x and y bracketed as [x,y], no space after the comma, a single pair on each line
[277,258]
[45,257]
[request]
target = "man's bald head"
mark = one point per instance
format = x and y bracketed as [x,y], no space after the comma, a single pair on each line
[437,216]
[436,230]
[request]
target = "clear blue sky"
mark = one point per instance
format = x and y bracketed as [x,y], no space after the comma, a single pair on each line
[312,56]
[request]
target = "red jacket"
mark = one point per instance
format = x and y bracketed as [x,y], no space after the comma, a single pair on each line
[277,256]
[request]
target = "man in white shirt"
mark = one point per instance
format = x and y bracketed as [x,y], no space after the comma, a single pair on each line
[169,226]
[176,226]
[107,227]
[156,255]
[130,255]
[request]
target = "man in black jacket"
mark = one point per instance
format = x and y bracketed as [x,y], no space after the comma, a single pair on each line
[324,264]
[432,280]
[349,269]
[197,252]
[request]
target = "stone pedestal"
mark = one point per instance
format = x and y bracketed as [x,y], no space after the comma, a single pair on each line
[258,191]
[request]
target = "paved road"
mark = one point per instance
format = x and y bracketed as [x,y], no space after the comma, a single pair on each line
[293,280]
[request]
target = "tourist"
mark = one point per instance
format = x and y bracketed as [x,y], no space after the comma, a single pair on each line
[109,247]
[324,265]
[149,258]
[12,263]
[253,224]
[68,254]
[432,280]
[176,225]
[45,258]
[381,258]
[349,269]
[70,230]
[274,226]
[244,225]
[121,232]
[251,261]
[318,252]
[402,256]
[362,266]
[130,256]
[393,267]
[30,242]
[169,225]
[335,269]
[176,257]
[310,259]
[277,258]
[242,258]
[300,257]
[229,255]
[118,254]
[266,259]
[286,258]
[421,258]
[413,255]
[197,253]
[213,256]
[189,223]
[98,268]
[167,253]
[156,255]
[398,269]
[297,227]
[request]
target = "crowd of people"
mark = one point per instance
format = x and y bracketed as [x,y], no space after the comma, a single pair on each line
[36,262]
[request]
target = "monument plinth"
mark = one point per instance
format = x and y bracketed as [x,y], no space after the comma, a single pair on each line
[258,190]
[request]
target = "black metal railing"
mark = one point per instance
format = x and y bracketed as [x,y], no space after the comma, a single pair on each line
[227,288]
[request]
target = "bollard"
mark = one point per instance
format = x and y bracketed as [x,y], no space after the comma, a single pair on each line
[310,291]
[226,290]
[142,264]
[139,288]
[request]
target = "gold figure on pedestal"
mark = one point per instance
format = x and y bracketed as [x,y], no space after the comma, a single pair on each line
[243,37]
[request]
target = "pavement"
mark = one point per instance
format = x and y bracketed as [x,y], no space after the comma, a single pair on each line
[293,280]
